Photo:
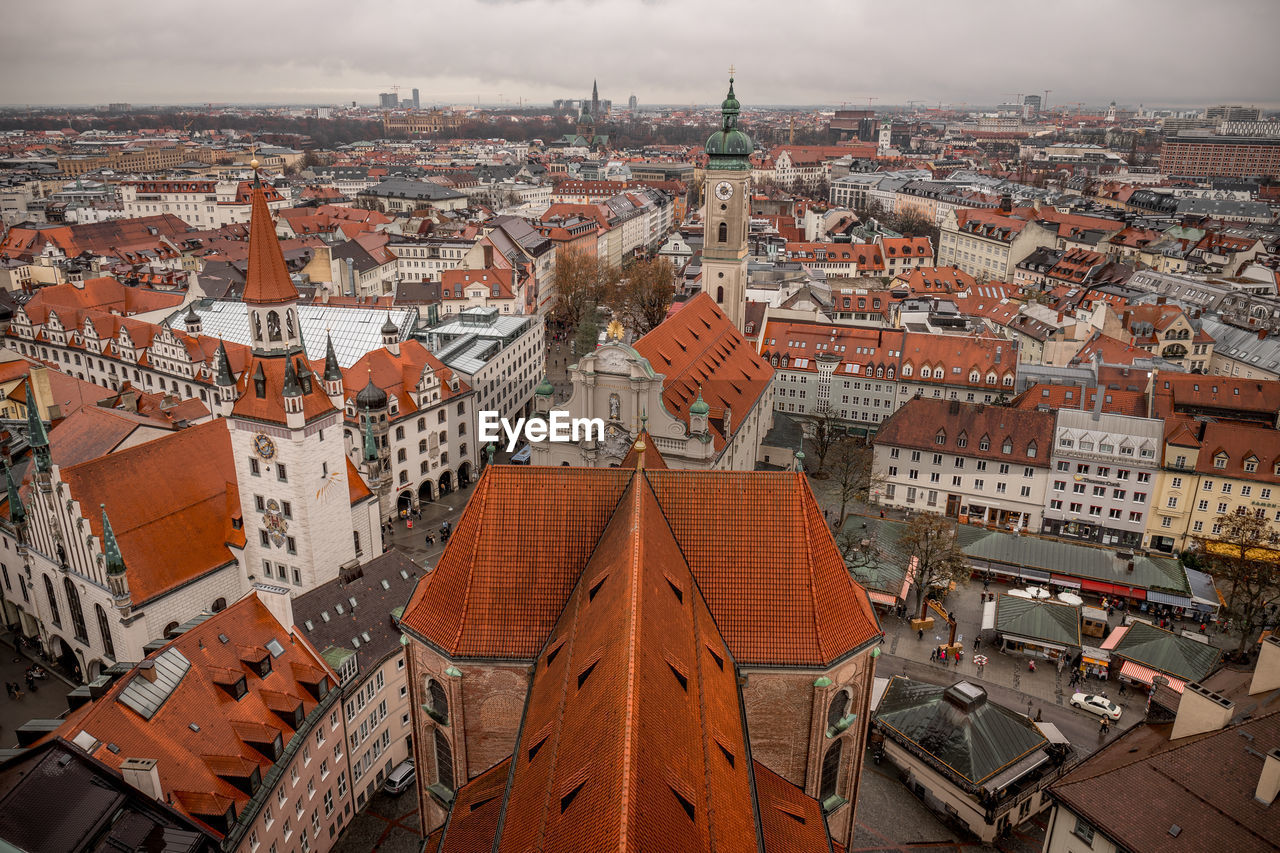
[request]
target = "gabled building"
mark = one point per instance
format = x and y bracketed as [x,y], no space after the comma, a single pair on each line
[235,723]
[665,704]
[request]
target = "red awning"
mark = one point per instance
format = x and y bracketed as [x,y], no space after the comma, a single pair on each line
[1138,672]
[1135,593]
[882,598]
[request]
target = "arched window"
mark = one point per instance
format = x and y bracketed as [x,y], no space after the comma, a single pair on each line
[444,761]
[105,630]
[273,326]
[77,615]
[724,232]
[219,605]
[830,771]
[838,708]
[53,601]
[437,702]
[169,630]
[720,295]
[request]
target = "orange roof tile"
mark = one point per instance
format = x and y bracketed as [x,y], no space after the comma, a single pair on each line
[267,281]
[699,348]
[196,734]
[190,477]
[528,532]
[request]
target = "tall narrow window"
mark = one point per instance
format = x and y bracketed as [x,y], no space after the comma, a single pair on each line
[77,615]
[444,761]
[838,708]
[830,771]
[720,295]
[53,601]
[104,628]
[438,702]
[724,232]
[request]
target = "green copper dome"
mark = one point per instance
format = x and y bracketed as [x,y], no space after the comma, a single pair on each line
[699,406]
[545,388]
[729,147]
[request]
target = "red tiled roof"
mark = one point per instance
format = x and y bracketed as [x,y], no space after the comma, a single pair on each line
[104,294]
[270,407]
[1116,402]
[958,357]
[699,348]
[195,734]
[527,533]
[190,477]
[922,421]
[267,281]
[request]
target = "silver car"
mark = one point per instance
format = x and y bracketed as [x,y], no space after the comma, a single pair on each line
[400,778]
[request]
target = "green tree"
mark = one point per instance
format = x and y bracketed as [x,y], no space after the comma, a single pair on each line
[1244,558]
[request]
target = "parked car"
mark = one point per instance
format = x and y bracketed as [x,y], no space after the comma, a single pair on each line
[1095,704]
[401,777]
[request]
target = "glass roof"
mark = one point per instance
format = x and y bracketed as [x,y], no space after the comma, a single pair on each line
[355,331]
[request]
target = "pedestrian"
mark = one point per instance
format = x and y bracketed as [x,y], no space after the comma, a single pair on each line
[977,643]
[1123,689]
[943,656]
[31,682]
[1039,716]
[1031,666]
[956,658]
[920,634]
[1061,663]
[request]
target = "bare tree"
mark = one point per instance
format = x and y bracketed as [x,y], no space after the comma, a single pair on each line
[860,554]
[853,471]
[824,431]
[1244,556]
[931,540]
[577,282]
[644,294]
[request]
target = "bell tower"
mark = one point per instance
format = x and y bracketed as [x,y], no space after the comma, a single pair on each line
[726,215]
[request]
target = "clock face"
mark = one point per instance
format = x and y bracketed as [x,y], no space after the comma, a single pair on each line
[265,447]
[724,190]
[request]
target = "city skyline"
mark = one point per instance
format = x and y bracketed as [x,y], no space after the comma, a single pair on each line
[950,54]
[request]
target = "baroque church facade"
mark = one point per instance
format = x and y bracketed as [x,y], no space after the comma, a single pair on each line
[114,550]
[695,384]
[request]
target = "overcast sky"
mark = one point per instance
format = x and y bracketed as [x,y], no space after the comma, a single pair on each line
[1155,52]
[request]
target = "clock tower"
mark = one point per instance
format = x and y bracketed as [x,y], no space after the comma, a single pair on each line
[286,434]
[726,215]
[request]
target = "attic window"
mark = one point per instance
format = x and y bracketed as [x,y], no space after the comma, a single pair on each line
[569,797]
[717,658]
[680,677]
[551,655]
[591,593]
[679,592]
[724,750]
[533,750]
[586,673]
[684,803]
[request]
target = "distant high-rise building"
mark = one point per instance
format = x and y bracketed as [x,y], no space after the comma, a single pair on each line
[1232,112]
[119,107]
[632,103]
[417,104]
[1032,105]
[387,100]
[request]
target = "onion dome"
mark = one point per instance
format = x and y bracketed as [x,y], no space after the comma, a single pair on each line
[699,406]
[729,147]
[371,396]
[545,388]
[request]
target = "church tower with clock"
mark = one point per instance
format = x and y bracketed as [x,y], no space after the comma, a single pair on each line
[301,528]
[727,213]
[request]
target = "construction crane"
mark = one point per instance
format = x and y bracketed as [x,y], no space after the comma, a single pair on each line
[869,99]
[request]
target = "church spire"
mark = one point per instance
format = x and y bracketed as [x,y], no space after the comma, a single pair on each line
[223,365]
[267,281]
[332,373]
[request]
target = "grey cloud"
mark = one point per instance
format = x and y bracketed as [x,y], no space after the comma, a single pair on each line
[1170,52]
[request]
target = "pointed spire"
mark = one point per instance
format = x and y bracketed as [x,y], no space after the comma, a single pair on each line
[332,373]
[37,435]
[291,386]
[110,547]
[222,365]
[267,281]
[17,512]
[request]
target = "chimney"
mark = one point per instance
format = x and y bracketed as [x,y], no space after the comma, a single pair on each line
[129,400]
[1266,675]
[1200,711]
[1269,780]
[1262,333]
[147,670]
[1006,203]
[141,773]
[1097,402]
[277,600]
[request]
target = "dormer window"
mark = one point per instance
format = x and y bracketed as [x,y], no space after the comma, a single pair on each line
[1220,460]
[984,443]
[1251,465]
[962,440]
[1007,447]
[941,437]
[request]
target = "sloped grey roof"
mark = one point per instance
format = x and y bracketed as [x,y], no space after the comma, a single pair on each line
[1167,652]
[1038,619]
